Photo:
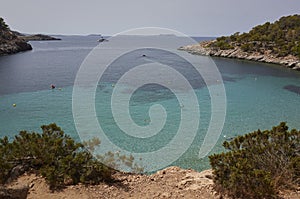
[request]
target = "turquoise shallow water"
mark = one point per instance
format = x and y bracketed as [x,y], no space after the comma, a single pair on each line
[256,98]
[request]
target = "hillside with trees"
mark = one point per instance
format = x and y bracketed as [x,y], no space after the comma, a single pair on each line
[277,42]
[282,38]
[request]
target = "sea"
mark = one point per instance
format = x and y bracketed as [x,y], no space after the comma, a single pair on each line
[256,96]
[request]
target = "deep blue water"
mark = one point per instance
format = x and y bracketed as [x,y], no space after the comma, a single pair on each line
[258,95]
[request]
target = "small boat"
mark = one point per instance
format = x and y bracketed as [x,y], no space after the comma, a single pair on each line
[102,39]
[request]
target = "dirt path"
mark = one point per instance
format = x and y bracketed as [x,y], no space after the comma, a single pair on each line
[172,182]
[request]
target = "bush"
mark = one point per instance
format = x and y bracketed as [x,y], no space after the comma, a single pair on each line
[3,25]
[222,44]
[247,47]
[258,164]
[54,155]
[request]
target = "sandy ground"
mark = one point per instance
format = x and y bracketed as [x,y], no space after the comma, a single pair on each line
[172,182]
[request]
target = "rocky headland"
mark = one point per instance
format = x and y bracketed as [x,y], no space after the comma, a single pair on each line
[266,56]
[9,42]
[277,43]
[13,42]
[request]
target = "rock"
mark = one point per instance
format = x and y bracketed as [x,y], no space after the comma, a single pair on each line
[291,64]
[15,173]
[255,57]
[18,192]
[13,46]
[166,195]
[297,67]
[23,46]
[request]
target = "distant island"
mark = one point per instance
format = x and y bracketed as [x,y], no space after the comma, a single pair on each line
[38,37]
[277,43]
[13,42]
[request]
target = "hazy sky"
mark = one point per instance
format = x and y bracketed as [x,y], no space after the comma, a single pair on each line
[191,17]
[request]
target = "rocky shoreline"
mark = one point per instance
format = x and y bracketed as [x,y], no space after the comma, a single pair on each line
[204,48]
[11,43]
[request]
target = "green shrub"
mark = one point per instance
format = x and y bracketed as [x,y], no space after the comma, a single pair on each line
[54,155]
[296,50]
[247,47]
[222,44]
[258,164]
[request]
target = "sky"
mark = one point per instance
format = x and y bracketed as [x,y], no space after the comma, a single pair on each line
[191,17]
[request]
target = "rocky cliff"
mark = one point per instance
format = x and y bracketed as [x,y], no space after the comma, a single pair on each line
[9,42]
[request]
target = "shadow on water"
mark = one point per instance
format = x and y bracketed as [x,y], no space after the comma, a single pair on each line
[293,88]
[139,57]
[233,67]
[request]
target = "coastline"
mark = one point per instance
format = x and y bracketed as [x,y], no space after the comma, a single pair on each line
[15,42]
[203,48]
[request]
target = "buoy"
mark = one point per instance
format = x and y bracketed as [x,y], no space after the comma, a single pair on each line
[59,89]
[52,86]
[147,120]
[14,105]
[143,55]
[113,85]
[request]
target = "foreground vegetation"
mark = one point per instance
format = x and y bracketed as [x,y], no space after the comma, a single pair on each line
[57,157]
[280,38]
[255,165]
[258,164]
